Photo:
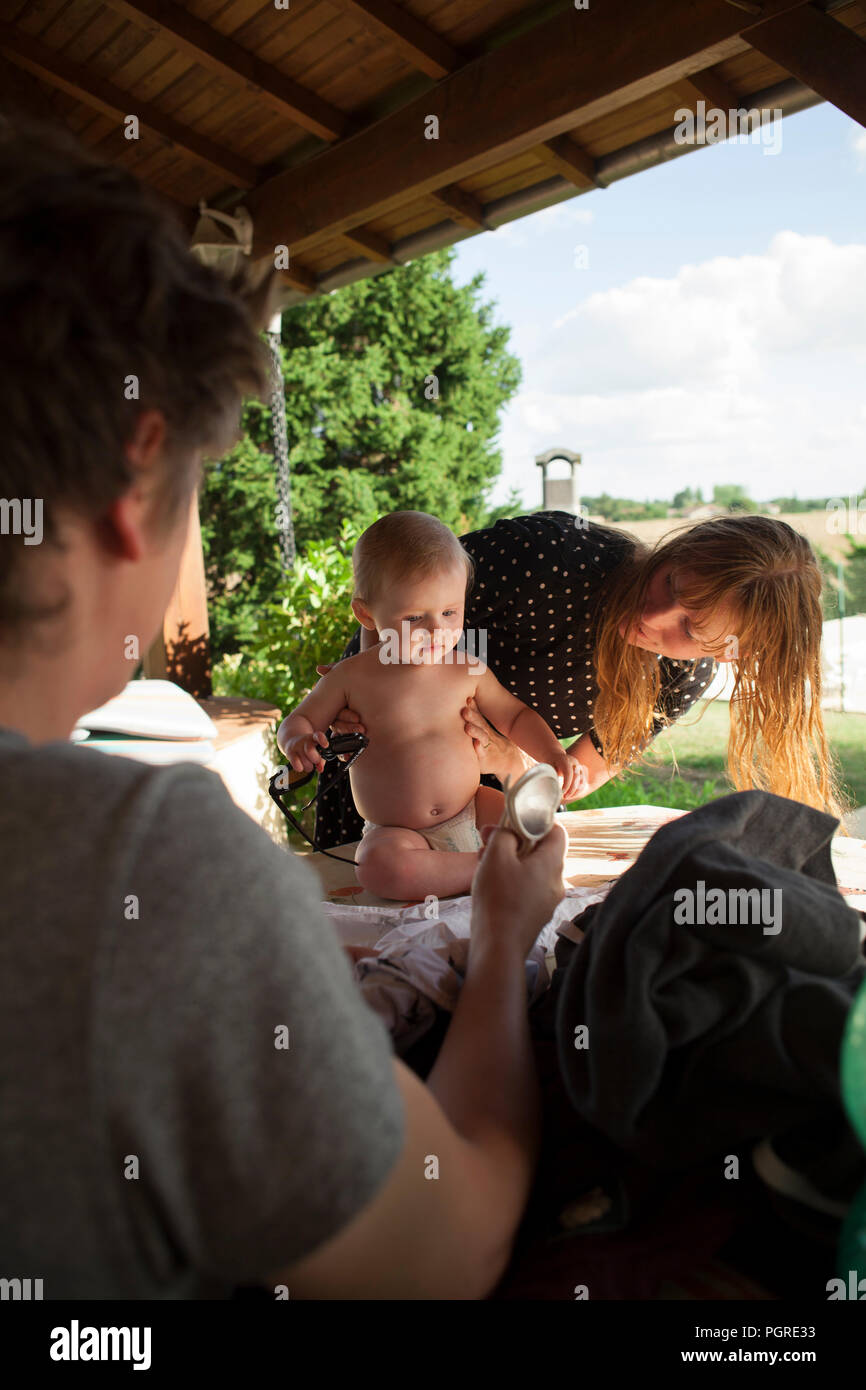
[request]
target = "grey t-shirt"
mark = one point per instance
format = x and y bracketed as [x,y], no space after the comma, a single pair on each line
[157,1138]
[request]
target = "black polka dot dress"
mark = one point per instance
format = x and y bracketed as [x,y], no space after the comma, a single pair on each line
[538,590]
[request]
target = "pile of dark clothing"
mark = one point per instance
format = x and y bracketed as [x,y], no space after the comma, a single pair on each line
[705,1034]
[691,1023]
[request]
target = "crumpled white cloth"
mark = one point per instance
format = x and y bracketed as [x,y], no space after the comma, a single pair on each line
[423,951]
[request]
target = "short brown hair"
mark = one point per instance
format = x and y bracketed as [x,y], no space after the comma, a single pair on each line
[402,544]
[97,287]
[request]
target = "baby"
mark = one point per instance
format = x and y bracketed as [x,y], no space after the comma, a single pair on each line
[417,784]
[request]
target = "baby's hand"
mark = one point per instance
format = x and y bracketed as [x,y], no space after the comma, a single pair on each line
[579,784]
[302,753]
[562,765]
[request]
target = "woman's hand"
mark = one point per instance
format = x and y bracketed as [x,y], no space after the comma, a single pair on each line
[496,755]
[348,721]
[513,898]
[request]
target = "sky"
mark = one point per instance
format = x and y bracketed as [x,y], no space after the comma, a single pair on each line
[703,322]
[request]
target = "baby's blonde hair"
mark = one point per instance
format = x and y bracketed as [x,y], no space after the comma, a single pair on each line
[400,545]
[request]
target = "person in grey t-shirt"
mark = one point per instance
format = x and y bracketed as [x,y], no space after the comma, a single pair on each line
[193,1094]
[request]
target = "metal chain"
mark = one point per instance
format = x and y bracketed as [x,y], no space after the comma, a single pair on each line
[280,432]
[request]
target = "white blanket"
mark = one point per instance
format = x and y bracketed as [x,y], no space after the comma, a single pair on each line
[422,951]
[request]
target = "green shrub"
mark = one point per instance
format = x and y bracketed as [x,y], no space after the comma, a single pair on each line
[307,621]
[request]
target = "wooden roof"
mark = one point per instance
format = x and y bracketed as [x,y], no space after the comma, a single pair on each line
[312,113]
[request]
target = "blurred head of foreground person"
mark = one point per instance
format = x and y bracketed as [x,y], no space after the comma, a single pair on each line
[124,361]
[305,1167]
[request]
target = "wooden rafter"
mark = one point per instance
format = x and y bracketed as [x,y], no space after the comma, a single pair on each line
[50,67]
[569,159]
[564,73]
[418,44]
[229,60]
[709,87]
[462,207]
[370,244]
[21,93]
[821,52]
[298,277]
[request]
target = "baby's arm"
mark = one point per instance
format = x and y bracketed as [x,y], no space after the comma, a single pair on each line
[522,725]
[301,734]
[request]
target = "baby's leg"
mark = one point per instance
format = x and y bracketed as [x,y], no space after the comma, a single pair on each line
[489,805]
[397,863]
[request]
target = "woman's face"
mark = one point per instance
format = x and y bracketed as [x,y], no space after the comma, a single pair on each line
[667,627]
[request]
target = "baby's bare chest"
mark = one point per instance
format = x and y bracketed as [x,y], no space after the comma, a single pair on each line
[412,699]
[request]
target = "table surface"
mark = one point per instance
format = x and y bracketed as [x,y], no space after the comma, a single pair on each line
[602,844]
[235,717]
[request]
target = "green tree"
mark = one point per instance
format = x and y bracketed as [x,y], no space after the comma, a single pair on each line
[238,504]
[621,509]
[732,496]
[394,387]
[393,392]
[802,504]
[688,497]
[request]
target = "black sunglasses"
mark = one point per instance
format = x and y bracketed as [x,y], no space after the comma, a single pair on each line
[285,780]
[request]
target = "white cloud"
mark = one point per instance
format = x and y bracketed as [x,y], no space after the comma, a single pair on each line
[745,369]
[860,145]
[558,217]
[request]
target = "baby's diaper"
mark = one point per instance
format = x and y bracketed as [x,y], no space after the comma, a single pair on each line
[459,834]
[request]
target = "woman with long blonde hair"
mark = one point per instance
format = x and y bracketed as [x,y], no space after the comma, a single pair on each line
[749,590]
[610,641]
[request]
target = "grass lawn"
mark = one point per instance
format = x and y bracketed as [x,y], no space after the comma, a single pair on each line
[700,749]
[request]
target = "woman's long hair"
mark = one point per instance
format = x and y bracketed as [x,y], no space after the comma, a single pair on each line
[764,575]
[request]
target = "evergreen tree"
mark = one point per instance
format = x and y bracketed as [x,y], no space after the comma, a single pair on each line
[393,391]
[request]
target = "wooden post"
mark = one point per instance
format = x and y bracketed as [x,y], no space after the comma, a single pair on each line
[182,653]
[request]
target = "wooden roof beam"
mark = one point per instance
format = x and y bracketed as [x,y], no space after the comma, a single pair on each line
[575,67]
[20,93]
[298,277]
[212,50]
[78,82]
[418,44]
[821,52]
[370,244]
[569,159]
[462,207]
[709,87]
